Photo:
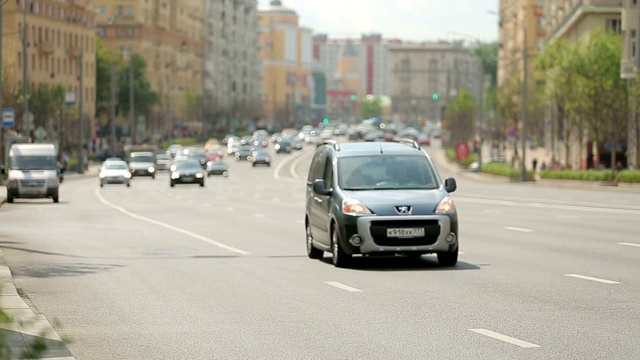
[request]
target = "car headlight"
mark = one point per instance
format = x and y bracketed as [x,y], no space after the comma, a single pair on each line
[175,175]
[354,207]
[127,175]
[101,175]
[151,169]
[267,159]
[277,146]
[446,206]
[199,175]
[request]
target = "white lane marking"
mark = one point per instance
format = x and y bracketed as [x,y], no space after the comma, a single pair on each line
[518,229]
[600,209]
[170,227]
[342,286]
[300,222]
[505,338]
[259,215]
[294,165]
[590,278]
[281,165]
[629,244]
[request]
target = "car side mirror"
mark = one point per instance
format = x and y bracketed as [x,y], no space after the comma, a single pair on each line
[2,170]
[450,185]
[320,187]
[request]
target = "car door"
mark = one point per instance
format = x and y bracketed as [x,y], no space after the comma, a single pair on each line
[323,203]
[314,201]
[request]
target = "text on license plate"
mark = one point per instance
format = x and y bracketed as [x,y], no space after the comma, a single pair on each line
[405,232]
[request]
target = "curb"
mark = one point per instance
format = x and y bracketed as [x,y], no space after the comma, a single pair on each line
[26,327]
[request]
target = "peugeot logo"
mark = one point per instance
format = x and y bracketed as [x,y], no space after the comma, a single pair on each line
[404,210]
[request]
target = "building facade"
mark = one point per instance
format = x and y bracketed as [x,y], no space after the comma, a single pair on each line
[59,36]
[521,27]
[286,53]
[629,66]
[169,35]
[232,66]
[424,77]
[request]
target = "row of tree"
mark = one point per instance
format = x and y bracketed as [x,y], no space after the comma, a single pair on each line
[578,82]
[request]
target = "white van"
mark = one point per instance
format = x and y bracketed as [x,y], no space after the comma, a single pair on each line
[32,172]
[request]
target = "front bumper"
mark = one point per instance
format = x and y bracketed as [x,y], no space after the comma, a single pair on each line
[372,230]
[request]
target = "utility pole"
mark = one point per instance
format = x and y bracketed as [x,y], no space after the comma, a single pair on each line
[25,78]
[132,115]
[2,131]
[81,110]
[112,142]
[524,104]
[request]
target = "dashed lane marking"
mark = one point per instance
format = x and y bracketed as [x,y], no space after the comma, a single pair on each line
[590,278]
[342,286]
[505,338]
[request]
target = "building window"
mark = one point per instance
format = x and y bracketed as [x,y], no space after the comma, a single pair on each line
[634,45]
[101,32]
[102,10]
[131,11]
[120,10]
[613,25]
[130,32]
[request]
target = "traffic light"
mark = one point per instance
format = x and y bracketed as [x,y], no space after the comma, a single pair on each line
[326,120]
[435,96]
[354,97]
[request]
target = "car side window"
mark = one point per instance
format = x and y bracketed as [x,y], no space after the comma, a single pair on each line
[328,172]
[317,166]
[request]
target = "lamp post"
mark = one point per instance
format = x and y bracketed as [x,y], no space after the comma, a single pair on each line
[25,77]
[126,54]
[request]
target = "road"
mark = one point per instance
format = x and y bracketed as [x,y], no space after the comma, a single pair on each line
[152,272]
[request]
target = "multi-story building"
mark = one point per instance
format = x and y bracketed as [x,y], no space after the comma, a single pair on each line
[373,58]
[629,70]
[285,49]
[169,35]
[59,35]
[424,77]
[573,20]
[232,67]
[521,30]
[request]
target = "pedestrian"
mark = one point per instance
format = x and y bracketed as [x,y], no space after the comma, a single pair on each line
[535,164]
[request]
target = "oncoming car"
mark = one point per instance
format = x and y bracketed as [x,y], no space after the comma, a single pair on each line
[187,172]
[380,198]
[115,172]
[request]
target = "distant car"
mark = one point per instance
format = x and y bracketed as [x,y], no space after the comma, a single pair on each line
[187,172]
[174,149]
[260,157]
[244,153]
[475,166]
[114,172]
[217,167]
[143,164]
[163,162]
[283,146]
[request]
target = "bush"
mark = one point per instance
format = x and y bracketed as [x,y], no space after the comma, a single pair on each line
[584,175]
[452,156]
[629,176]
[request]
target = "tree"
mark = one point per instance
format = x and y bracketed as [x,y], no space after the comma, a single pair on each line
[46,102]
[460,116]
[370,107]
[487,53]
[193,106]
[143,97]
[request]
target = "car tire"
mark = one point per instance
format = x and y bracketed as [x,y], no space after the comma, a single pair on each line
[128,184]
[312,252]
[153,177]
[56,199]
[448,258]
[202,184]
[10,198]
[254,164]
[173,184]
[338,256]
[101,185]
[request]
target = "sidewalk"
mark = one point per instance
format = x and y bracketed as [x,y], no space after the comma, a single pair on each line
[27,331]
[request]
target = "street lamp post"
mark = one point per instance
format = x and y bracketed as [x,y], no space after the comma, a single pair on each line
[25,78]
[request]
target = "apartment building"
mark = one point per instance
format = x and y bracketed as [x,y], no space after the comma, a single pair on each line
[521,27]
[424,77]
[169,35]
[59,36]
[286,53]
[232,65]
[629,66]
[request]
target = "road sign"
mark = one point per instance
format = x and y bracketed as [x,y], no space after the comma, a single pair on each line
[8,117]
[69,98]
[40,133]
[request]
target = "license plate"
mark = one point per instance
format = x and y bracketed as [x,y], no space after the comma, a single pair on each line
[405,232]
[188,178]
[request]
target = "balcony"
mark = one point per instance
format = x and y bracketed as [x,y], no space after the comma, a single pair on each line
[46,47]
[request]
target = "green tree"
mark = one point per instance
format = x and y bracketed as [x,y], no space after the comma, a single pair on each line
[487,53]
[460,115]
[193,106]
[45,102]
[370,107]
[105,57]
[143,97]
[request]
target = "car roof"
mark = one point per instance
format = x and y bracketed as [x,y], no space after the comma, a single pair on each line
[373,148]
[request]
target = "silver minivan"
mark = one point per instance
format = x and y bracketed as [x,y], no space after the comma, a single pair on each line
[32,172]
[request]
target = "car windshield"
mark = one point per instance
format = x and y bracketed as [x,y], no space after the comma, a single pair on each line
[142,158]
[188,165]
[33,163]
[386,173]
[115,166]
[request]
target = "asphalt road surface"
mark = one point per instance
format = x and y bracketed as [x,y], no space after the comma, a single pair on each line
[220,272]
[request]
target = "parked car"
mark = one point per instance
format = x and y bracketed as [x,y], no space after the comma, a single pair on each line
[379,199]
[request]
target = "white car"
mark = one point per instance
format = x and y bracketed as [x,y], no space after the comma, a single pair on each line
[115,172]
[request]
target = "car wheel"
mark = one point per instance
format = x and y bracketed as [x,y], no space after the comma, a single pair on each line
[101,185]
[10,198]
[254,164]
[339,257]
[202,184]
[312,252]
[128,184]
[56,199]
[448,258]
[173,184]
[153,177]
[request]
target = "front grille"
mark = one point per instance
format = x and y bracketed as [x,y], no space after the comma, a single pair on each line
[378,231]
[32,183]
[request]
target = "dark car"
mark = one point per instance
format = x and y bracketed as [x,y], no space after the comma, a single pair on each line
[187,172]
[284,145]
[217,167]
[244,153]
[260,157]
[382,198]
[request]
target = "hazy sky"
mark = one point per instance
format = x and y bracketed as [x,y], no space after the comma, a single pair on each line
[414,20]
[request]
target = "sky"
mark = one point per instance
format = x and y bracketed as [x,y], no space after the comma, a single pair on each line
[409,20]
